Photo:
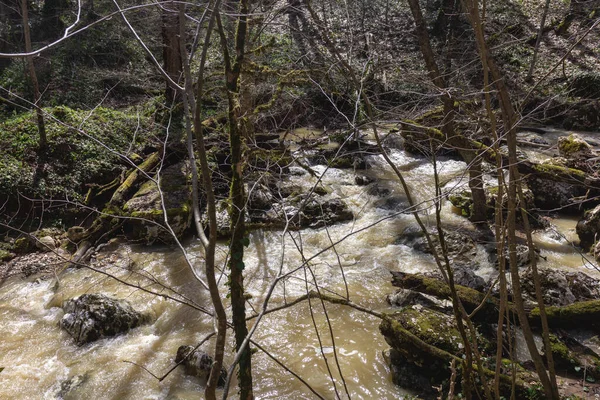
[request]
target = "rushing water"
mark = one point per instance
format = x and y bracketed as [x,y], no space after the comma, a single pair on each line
[38,356]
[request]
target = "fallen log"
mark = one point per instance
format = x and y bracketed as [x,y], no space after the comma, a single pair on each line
[583,314]
[556,173]
[470,298]
[128,187]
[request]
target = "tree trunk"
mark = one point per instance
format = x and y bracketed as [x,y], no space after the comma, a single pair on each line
[470,156]
[237,197]
[172,54]
[43,141]
[548,380]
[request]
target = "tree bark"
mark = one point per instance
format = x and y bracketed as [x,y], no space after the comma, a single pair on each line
[43,141]
[469,155]
[237,197]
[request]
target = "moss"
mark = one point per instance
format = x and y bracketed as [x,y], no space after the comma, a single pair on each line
[23,245]
[584,313]
[463,202]
[571,145]
[184,210]
[74,158]
[432,327]
[6,255]
[563,357]
[559,171]
[342,162]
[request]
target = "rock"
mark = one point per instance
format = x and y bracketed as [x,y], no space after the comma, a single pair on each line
[46,243]
[573,147]
[560,288]
[75,233]
[588,227]
[259,197]
[6,255]
[465,276]
[553,195]
[317,213]
[407,297]
[145,206]
[433,327]
[461,248]
[71,385]
[91,317]
[408,375]
[198,364]
[362,180]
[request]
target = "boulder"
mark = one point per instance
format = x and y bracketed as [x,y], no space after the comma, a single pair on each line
[588,227]
[560,288]
[91,317]
[301,213]
[408,375]
[574,149]
[461,248]
[146,208]
[198,364]
[407,297]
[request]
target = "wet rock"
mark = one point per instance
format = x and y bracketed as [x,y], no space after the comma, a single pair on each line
[407,297]
[553,195]
[68,387]
[465,276]
[198,364]
[146,208]
[588,227]
[560,288]
[317,213]
[408,375]
[461,248]
[91,317]
[362,180]
[259,197]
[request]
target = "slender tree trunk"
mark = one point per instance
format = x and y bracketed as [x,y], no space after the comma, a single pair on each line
[470,155]
[194,105]
[237,197]
[172,57]
[538,41]
[548,380]
[43,141]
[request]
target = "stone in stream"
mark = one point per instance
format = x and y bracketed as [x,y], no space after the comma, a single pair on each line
[198,364]
[146,206]
[589,227]
[560,288]
[91,317]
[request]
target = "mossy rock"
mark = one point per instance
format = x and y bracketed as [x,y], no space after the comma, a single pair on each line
[23,245]
[574,147]
[434,328]
[6,255]
[146,208]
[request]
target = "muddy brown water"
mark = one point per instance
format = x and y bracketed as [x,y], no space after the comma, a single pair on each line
[38,357]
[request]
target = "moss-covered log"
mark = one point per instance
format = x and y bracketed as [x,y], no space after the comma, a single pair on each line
[471,298]
[550,172]
[583,315]
[128,187]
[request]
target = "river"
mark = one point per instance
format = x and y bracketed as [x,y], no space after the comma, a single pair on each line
[37,356]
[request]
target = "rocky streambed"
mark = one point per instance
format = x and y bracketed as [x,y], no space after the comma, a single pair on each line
[113,334]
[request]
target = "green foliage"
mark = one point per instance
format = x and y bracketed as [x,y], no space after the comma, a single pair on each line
[77,154]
